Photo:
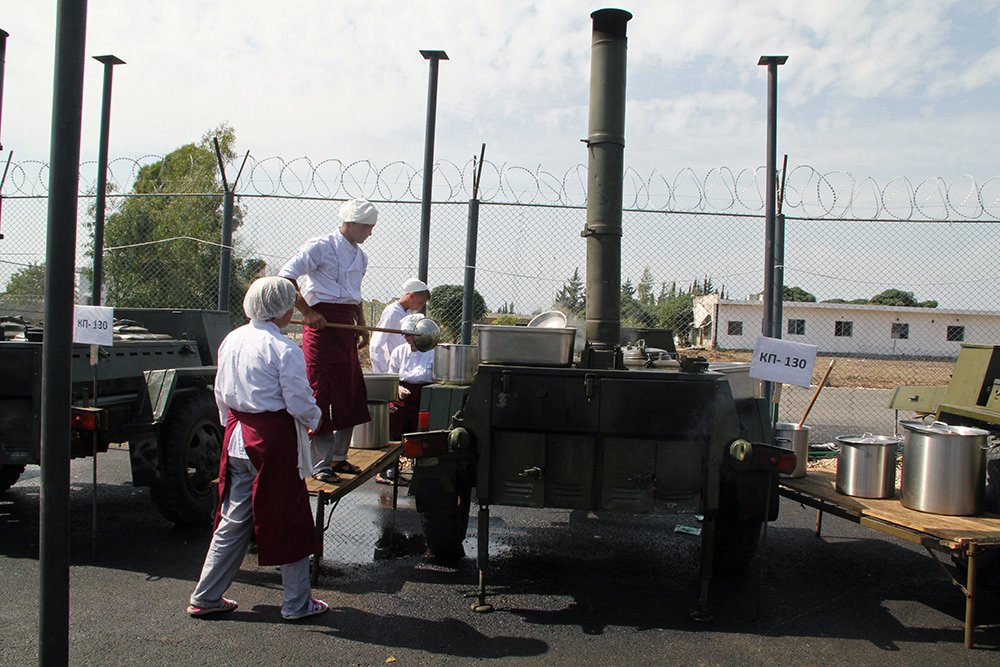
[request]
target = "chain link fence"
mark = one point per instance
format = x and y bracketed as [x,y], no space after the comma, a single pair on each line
[683,237]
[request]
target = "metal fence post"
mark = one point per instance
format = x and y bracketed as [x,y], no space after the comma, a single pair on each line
[425,201]
[109,62]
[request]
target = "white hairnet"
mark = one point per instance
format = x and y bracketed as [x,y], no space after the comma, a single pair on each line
[415,285]
[268,298]
[359,211]
[408,325]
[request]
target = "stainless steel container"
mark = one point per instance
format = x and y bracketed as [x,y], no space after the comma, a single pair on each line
[383,387]
[944,468]
[866,465]
[373,434]
[791,436]
[534,346]
[455,364]
[738,375]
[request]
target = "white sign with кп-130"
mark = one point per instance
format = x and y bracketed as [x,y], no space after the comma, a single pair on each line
[777,360]
[93,325]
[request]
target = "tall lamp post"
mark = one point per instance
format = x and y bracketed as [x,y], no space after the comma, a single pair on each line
[769,327]
[102,177]
[434,57]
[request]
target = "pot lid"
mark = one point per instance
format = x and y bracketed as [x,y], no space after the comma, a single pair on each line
[941,428]
[869,439]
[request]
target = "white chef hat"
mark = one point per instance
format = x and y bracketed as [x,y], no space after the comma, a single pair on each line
[408,325]
[415,285]
[268,298]
[359,211]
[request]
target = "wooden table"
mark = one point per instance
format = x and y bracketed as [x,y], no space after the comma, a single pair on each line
[959,536]
[371,462]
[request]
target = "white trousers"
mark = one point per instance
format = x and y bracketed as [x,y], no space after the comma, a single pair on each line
[229,546]
[330,448]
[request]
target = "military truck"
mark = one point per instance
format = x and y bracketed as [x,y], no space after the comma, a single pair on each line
[151,389]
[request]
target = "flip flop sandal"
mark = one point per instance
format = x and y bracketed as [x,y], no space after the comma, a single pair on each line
[327,477]
[315,607]
[224,605]
[346,467]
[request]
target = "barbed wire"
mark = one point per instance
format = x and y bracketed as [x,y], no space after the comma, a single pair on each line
[808,192]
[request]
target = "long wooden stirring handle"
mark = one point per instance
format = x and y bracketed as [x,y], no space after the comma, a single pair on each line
[816,395]
[355,327]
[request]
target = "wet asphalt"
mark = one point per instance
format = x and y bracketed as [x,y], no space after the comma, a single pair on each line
[568,588]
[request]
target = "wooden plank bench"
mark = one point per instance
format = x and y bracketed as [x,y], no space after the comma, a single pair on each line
[961,536]
[371,462]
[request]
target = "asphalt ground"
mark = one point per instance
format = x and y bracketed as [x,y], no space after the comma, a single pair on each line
[569,588]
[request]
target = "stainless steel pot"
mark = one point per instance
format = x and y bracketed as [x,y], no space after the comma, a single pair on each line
[944,468]
[866,465]
[373,434]
[382,387]
[455,364]
[796,438]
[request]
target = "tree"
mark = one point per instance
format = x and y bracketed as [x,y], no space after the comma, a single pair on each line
[644,290]
[445,308]
[166,246]
[796,294]
[571,297]
[894,297]
[27,283]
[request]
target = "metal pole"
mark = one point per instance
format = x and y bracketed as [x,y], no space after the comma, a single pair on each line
[3,60]
[64,173]
[425,201]
[102,177]
[225,261]
[767,325]
[471,239]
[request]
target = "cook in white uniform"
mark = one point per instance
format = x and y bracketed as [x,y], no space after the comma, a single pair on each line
[266,404]
[328,272]
[416,294]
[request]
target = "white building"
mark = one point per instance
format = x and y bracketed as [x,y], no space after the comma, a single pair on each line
[841,328]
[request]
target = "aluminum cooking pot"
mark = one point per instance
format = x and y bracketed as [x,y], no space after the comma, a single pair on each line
[944,468]
[455,364]
[866,465]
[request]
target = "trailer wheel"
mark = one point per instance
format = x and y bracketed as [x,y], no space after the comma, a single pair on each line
[735,544]
[191,443]
[444,532]
[9,474]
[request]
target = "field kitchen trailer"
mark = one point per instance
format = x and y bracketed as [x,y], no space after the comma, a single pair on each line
[541,428]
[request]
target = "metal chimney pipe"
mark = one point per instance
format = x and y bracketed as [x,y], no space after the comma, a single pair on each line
[605,174]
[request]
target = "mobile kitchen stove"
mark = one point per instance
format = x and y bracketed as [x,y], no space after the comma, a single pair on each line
[595,435]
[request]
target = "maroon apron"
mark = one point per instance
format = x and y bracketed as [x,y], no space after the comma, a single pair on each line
[282,517]
[404,414]
[334,370]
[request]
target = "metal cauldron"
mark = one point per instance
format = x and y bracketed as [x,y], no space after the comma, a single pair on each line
[455,364]
[796,438]
[944,468]
[866,465]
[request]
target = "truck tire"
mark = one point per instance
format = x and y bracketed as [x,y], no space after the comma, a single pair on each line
[190,446]
[9,474]
[444,532]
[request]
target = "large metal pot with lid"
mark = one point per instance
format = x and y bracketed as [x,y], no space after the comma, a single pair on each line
[866,465]
[944,468]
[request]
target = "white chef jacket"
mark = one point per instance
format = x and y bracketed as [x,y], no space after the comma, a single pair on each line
[261,370]
[412,365]
[328,269]
[382,344]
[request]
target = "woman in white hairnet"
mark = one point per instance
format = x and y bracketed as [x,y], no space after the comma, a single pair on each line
[266,404]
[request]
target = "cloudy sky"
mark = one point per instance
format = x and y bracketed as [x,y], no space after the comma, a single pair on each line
[884,88]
